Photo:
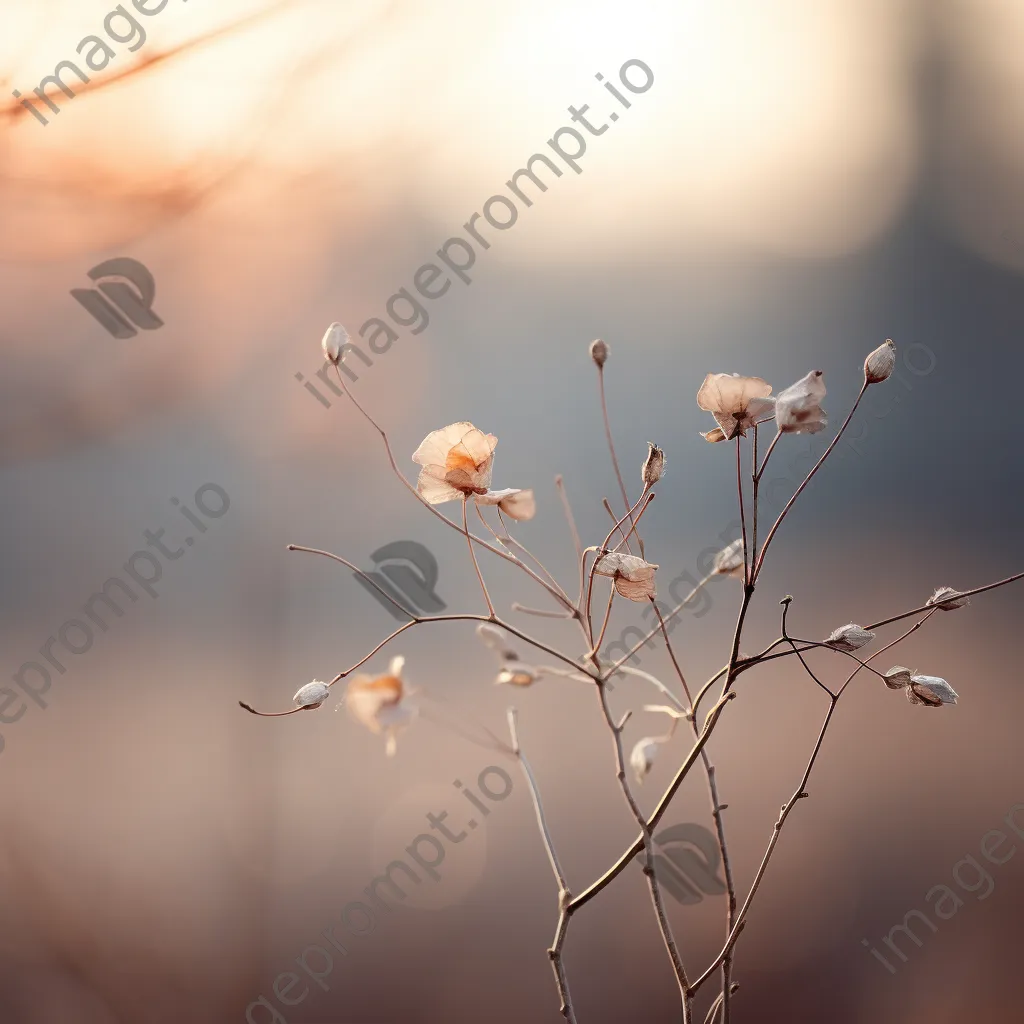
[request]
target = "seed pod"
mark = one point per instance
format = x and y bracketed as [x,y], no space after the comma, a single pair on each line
[334,340]
[931,691]
[654,464]
[879,364]
[599,351]
[897,677]
[312,695]
[948,599]
[849,638]
[642,757]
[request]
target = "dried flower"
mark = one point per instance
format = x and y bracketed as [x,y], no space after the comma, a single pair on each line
[642,757]
[381,703]
[512,501]
[798,409]
[730,561]
[516,673]
[312,695]
[599,351]
[634,578]
[736,402]
[849,638]
[931,691]
[654,465]
[880,363]
[335,338]
[897,677]
[456,462]
[948,599]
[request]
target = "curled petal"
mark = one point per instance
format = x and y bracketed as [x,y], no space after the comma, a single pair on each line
[714,436]
[514,502]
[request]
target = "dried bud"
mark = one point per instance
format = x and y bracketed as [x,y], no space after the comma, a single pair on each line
[849,638]
[879,364]
[931,691]
[654,465]
[633,577]
[948,599]
[334,340]
[713,436]
[312,695]
[515,673]
[642,757]
[897,677]
[599,352]
[495,639]
[729,561]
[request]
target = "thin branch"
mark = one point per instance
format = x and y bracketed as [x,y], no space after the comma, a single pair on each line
[611,449]
[567,508]
[965,593]
[810,476]
[648,845]
[472,555]
[748,563]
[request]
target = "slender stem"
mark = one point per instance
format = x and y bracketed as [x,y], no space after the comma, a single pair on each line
[965,593]
[755,481]
[549,845]
[747,563]
[648,846]
[604,626]
[810,476]
[796,650]
[799,794]
[767,455]
[472,555]
[543,613]
[623,862]
[359,572]
[611,449]
[567,508]
[555,954]
[716,811]
[616,666]
[611,512]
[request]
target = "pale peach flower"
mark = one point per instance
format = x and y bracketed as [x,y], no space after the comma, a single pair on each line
[456,462]
[798,409]
[736,402]
[381,703]
[514,502]
[633,577]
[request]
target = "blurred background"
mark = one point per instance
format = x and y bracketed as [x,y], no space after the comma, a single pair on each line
[800,182]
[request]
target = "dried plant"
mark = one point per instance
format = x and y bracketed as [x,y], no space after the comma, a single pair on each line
[457,464]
